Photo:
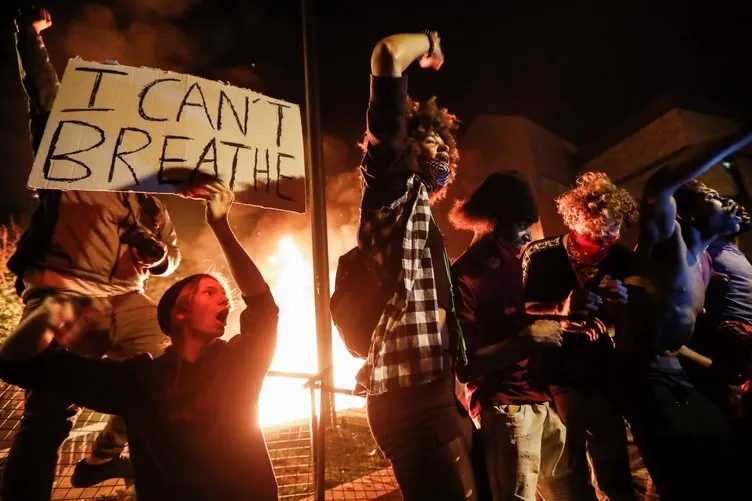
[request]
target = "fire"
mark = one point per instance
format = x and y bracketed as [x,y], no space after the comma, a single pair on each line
[290,275]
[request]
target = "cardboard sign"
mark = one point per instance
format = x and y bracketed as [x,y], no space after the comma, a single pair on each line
[119,128]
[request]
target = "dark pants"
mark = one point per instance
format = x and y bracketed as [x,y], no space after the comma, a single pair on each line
[128,327]
[475,447]
[685,440]
[418,431]
[594,425]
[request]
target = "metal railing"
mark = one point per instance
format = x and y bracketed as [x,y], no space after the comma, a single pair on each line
[353,467]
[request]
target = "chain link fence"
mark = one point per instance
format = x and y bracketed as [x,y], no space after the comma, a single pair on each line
[75,448]
[355,469]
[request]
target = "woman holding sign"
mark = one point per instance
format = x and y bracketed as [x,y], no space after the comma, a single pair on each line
[192,411]
[410,157]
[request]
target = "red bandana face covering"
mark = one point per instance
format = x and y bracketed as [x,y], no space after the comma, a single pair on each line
[585,250]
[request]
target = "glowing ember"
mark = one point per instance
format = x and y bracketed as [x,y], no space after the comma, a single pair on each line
[290,275]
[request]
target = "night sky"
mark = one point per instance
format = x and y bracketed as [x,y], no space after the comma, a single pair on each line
[577,68]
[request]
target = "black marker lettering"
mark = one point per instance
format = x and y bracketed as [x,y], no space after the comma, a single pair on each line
[164,159]
[202,104]
[52,156]
[118,155]
[212,144]
[142,97]
[280,176]
[237,147]
[257,171]
[280,116]
[95,87]
[243,126]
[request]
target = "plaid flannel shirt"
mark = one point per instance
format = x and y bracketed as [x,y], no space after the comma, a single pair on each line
[406,348]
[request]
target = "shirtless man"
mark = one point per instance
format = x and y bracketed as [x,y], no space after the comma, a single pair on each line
[684,439]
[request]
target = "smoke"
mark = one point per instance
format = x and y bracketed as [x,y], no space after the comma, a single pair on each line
[101,33]
[167,9]
[166,34]
[343,192]
[240,76]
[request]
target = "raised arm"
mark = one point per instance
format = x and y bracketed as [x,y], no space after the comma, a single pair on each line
[38,76]
[219,199]
[258,322]
[393,54]
[658,213]
[386,145]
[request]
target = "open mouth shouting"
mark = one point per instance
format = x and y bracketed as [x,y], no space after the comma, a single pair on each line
[222,316]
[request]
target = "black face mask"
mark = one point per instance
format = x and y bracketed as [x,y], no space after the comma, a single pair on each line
[435,173]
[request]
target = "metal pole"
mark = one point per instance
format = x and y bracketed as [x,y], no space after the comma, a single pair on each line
[316,189]
[315,445]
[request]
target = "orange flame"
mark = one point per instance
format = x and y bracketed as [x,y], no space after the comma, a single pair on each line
[290,275]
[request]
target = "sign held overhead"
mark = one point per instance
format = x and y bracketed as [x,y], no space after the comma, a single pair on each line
[120,128]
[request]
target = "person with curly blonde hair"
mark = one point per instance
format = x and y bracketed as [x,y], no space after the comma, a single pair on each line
[522,435]
[596,208]
[578,278]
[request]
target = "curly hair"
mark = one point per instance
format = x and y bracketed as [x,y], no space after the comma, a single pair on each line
[504,195]
[425,117]
[594,204]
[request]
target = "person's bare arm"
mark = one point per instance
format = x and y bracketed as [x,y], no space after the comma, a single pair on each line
[244,271]
[668,179]
[510,351]
[579,303]
[695,357]
[658,213]
[252,351]
[393,54]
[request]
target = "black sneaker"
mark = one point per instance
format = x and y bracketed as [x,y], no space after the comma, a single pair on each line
[86,475]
